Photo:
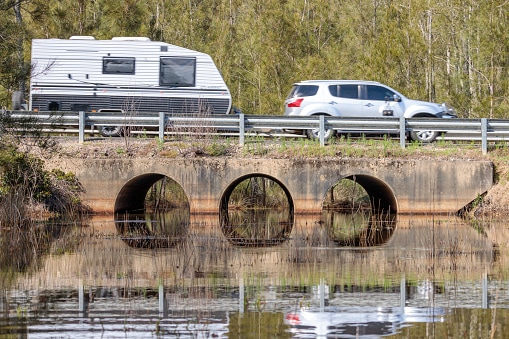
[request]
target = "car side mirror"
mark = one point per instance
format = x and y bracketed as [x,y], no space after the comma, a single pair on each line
[395,98]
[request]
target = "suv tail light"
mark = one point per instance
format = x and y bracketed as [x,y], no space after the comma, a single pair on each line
[293,319]
[295,103]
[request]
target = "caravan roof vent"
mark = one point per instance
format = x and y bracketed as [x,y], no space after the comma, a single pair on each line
[82,37]
[130,38]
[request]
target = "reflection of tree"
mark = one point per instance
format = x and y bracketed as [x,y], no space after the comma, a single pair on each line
[359,229]
[258,324]
[257,227]
[24,247]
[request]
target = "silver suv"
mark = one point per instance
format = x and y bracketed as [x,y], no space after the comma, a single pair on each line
[355,98]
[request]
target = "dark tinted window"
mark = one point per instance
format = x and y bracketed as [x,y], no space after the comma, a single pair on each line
[80,107]
[303,91]
[53,106]
[345,91]
[118,65]
[177,71]
[379,93]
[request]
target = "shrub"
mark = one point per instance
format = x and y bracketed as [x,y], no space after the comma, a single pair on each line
[24,174]
[25,184]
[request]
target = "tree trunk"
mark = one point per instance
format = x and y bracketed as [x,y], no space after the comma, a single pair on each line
[19,22]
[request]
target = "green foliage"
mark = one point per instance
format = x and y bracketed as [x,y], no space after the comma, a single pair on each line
[217,149]
[24,181]
[346,193]
[166,194]
[24,174]
[454,52]
[65,190]
[258,193]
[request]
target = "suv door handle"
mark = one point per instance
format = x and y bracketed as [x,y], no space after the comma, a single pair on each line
[332,103]
[369,105]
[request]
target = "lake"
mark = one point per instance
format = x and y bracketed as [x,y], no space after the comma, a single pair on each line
[258,275]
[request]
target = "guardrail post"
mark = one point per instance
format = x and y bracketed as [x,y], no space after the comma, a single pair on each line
[402,294]
[322,295]
[322,130]
[484,135]
[163,305]
[161,126]
[242,305]
[402,132]
[485,295]
[81,297]
[81,127]
[241,129]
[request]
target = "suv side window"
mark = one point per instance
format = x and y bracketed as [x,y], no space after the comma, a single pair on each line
[378,93]
[345,91]
[303,91]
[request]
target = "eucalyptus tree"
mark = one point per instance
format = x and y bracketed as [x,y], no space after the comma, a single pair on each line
[14,70]
[484,53]
[436,50]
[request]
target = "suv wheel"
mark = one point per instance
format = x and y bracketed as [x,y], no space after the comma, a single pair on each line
[424,137]
[314,134]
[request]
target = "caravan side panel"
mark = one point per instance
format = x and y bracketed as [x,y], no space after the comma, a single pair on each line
[68,75]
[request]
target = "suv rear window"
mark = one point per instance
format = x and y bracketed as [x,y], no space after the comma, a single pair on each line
[344,91]
[303,91]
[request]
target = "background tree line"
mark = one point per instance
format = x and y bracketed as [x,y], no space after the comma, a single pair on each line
[438,50]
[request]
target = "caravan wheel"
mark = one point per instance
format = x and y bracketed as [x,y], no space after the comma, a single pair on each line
[111,131]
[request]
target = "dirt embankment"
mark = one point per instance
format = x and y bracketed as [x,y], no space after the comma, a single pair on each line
[494,204]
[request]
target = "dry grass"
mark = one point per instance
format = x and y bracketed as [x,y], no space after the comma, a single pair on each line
[266,148]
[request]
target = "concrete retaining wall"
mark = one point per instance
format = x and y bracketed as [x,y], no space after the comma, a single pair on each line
[406,186]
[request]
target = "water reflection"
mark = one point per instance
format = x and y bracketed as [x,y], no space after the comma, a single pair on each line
[429,271]
[153,230]
[359,229]
[358,322]
[22,248]
[257,227]
[211,309]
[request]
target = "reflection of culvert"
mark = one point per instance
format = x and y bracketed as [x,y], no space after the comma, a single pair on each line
[348,194]
[160,230]
[258,231]
[256,210]
[359,230]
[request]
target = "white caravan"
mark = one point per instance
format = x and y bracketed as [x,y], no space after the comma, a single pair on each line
[124,75]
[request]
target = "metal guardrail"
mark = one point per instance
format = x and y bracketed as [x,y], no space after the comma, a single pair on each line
[161,123]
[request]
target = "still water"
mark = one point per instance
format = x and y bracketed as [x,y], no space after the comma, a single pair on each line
[256,275]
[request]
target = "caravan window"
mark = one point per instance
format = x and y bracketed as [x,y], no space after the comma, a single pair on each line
[177,71]
[118,65]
